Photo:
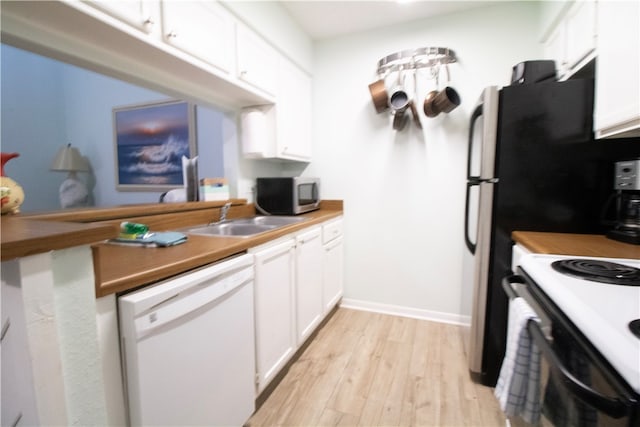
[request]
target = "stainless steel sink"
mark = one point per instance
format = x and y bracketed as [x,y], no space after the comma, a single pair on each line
[269,220]
[231,229]
[244,227]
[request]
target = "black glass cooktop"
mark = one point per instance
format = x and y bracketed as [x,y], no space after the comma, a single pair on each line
[599,271]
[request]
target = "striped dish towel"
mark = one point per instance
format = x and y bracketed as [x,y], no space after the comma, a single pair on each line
[518,388]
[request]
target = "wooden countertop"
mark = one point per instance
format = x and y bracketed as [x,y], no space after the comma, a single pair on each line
[23,237]
[119,268]
[27,234]
[575,244]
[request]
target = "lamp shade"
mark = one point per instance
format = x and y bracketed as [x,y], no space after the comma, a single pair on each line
[69,159]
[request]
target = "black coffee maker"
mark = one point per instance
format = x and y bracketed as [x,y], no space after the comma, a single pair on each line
[627,199]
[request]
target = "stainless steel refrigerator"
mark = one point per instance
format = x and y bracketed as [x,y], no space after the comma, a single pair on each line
[532,165]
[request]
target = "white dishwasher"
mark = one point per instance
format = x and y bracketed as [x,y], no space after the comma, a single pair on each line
[188,348]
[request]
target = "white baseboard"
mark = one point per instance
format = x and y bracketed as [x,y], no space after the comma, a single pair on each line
[415,313]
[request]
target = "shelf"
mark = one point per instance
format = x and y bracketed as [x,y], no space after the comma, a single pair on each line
[424,57]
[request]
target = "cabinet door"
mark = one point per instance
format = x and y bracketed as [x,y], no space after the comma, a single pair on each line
[203,29]
[580,31]
[333,269]
[293,112]
[257,60]
[274,309]
[309,307]
[18,395]
[137,13]
[617,104]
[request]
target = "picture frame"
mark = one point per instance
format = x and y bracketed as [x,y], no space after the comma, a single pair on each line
[149,142]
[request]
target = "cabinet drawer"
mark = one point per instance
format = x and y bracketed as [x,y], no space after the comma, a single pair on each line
[331,230]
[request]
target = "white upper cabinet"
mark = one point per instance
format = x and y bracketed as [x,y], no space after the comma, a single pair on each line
[571,42]
[205,30]
[293,112]
[140,14]
[581,32]
[283,130]
[617,100]
[555,47]
[257,60]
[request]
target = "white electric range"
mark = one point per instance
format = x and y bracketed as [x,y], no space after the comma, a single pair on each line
[602,311]
[587,315]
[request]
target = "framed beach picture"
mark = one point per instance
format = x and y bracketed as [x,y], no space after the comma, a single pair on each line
[150,141]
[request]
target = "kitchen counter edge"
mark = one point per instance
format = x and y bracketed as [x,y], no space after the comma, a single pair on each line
[23,237]
[588,245]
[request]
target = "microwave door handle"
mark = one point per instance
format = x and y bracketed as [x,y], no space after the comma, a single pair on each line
[614,407]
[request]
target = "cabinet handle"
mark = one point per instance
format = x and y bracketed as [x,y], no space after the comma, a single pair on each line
[17,420]
[5,328]
[172,35]
[243,73]
[149,22]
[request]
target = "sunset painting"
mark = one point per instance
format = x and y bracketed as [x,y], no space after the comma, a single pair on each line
[150,141]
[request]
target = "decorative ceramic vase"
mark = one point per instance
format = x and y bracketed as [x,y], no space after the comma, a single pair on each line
[11,194]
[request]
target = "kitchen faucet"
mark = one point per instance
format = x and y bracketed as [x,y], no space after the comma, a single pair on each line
[223,211]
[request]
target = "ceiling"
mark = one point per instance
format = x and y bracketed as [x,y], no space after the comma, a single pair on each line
[325,19]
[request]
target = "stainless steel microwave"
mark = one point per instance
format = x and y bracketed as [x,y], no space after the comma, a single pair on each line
[287,196]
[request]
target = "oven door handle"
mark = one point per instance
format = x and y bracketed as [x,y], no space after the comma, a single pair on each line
[506,284]
[614,407]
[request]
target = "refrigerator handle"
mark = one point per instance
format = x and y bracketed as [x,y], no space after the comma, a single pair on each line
[471,180]
[467,240]
[474,117]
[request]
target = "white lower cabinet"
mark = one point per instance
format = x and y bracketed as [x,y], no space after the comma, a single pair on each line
[298,279]
[18,395]
[274,304]
[309,308]
[332,264]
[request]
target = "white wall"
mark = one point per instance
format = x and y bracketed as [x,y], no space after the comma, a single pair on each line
[404,191]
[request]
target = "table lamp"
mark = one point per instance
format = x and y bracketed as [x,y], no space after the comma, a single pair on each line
[73,192]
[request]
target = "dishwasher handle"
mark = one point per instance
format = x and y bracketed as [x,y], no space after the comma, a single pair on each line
[188,302]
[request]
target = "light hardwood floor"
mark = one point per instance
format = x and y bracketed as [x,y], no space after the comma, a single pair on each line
[369,369]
